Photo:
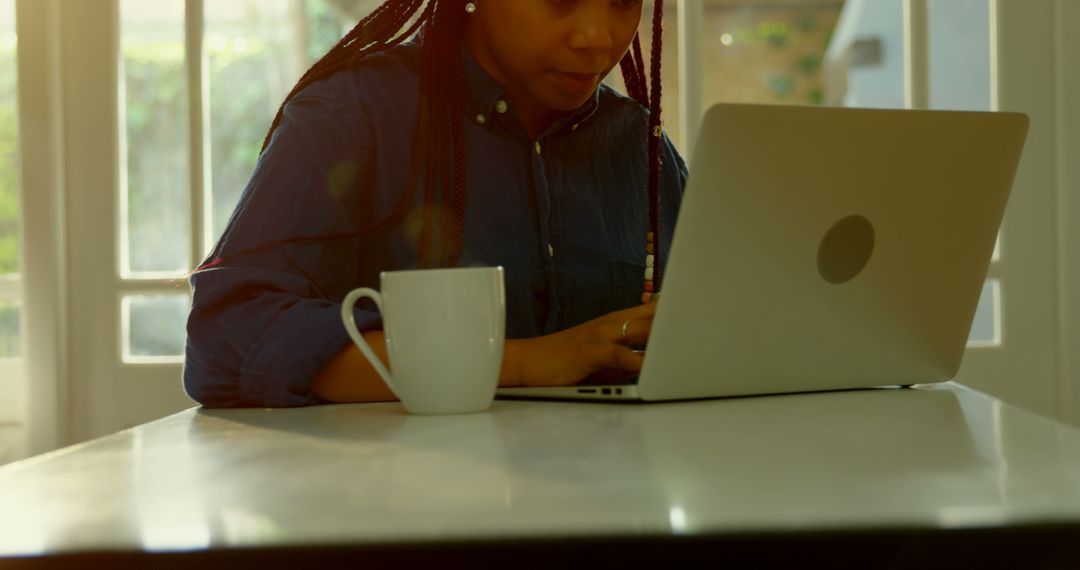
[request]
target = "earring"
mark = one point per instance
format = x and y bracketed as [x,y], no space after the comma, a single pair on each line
[470,7]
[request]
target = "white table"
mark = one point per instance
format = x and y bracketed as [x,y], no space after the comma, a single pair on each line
[892,474]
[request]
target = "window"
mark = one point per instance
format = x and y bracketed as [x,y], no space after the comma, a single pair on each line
[959,60]
[154,113]
[767,52]
[10,337]
[155,226]
[254,51]
[11,369]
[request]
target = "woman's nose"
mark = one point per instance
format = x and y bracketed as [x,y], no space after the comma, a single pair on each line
[591,33]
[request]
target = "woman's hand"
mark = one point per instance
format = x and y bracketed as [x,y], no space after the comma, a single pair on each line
[568,356]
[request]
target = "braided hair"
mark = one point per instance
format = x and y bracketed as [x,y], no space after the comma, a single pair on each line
[438,141]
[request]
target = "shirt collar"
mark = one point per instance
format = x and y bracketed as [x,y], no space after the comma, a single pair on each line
[485,99]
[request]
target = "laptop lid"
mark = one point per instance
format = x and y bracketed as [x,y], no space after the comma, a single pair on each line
[829,248]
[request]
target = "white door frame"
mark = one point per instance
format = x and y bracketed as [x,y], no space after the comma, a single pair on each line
[44,240]
[1024,370]
[111,394]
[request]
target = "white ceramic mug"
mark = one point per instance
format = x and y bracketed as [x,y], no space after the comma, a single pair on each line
[444,330]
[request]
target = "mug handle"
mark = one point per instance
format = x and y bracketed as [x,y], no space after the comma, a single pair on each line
[349,318]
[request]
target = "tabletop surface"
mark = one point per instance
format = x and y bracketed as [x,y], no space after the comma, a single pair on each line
[933,457]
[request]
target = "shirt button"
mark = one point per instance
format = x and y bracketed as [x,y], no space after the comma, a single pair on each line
[500,106]
[537,147]
[574,128]
[551,251]
[481,119]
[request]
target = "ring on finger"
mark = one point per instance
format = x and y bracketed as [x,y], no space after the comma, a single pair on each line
[625,331]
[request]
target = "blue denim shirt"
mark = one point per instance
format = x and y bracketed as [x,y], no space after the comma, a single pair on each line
[565,215]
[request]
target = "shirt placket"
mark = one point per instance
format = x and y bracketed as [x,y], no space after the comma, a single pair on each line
[543,200]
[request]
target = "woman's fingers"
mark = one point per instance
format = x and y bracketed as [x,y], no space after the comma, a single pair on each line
[602,343]
[618,356]
[637,312]
[636,331]
[646,310]
[629,360]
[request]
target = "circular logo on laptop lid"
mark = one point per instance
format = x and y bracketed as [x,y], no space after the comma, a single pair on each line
[846,249]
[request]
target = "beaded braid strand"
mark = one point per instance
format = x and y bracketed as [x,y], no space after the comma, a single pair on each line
[653,261]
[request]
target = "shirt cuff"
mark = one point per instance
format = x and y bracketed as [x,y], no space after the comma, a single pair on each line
[295,347]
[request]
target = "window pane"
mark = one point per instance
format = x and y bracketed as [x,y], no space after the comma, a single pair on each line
[10,328]
[803,52]
[154,325]
[9,155]
[985,330]
[767,52]
[864,62]
[155,110]
[959,32]
[10,307]
[257,50]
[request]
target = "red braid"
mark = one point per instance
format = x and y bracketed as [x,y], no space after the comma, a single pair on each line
[631,72]
[655,135]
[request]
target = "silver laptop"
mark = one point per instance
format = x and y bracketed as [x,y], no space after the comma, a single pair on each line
[822,249]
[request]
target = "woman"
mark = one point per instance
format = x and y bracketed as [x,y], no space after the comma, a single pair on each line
[479,135]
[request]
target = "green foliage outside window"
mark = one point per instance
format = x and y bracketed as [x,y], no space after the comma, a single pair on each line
[9,177]
[157,158]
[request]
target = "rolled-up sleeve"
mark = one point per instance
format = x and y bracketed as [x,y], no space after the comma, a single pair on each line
[265,320]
